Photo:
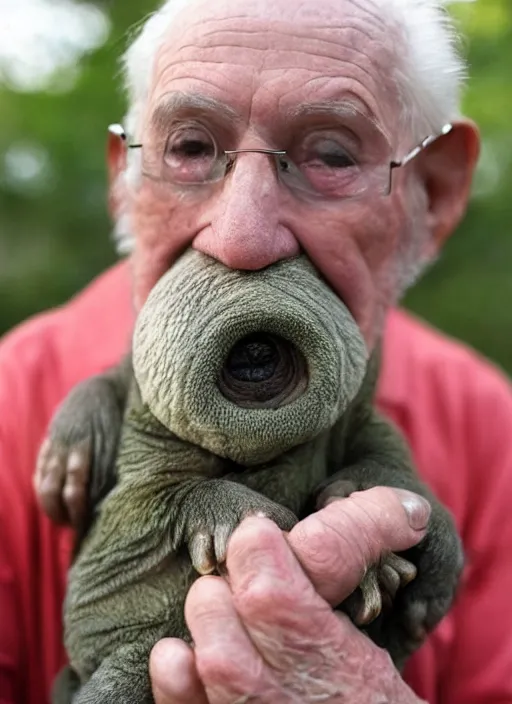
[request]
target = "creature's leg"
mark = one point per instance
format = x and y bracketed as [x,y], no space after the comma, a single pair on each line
[76,463]
[122,678]
[65,686]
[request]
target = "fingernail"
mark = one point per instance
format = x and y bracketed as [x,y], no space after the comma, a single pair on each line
[416,507]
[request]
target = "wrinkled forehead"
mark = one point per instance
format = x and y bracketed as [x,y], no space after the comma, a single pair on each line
[262,57]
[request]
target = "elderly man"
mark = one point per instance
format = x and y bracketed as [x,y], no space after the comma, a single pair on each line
[346,89]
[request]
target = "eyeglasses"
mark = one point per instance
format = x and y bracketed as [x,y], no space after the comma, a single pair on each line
[326,172]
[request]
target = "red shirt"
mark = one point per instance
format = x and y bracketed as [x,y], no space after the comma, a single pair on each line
[454,408]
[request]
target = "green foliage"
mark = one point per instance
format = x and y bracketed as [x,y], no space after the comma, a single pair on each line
[469,291]
[54,229]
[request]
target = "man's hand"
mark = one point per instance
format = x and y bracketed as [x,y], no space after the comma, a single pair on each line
[269,634]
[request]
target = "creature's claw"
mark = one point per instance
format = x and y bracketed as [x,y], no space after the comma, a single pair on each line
[380,585]
[202,553]
[208,539]
[371,598]
[61,478]
[207,551]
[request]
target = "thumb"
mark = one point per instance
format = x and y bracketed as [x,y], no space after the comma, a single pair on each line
[349,535]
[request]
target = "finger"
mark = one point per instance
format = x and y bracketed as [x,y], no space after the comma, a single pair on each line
[53,475]
[76,482]
[174,675]
[275,599]
[227,662]
[336,545]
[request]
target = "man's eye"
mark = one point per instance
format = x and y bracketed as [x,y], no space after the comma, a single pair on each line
[191,143]
[189,155]
[336,160]
[328,153]
[328,167]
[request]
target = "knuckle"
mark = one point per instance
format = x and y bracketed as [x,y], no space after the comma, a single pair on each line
[53,462]
[52,484]
[321,542]
[215,667]
[231,677]
[252,539]
[264,596]
[382,659]
[254,532]
[73,496]
[77,467]
[361,524]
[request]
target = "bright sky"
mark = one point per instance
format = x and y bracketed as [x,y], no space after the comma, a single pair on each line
[39,37]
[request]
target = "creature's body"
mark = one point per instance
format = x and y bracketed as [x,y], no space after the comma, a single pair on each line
[175,504]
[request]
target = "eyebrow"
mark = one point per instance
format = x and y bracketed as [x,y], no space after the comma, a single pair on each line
[179,103]
[176,103]
[342,109]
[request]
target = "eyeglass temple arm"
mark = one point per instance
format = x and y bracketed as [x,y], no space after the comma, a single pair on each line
[414,152]
[423,145]
[119,131]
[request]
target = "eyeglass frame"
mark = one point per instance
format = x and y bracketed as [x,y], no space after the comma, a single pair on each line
[119,131]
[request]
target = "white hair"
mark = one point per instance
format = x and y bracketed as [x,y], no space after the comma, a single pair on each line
[429,71]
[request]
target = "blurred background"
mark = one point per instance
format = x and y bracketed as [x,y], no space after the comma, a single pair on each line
[60,88]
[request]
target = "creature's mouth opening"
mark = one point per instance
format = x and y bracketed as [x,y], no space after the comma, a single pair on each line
[263,371]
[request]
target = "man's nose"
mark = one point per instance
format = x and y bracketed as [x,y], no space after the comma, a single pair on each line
[245,231]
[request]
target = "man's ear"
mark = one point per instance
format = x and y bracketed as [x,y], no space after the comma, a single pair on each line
[116,163]
[446,168]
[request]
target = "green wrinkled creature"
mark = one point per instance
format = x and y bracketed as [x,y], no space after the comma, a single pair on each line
[246,392]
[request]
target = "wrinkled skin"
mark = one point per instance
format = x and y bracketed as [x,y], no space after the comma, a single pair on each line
[265,648]
[176,503]
[285,58]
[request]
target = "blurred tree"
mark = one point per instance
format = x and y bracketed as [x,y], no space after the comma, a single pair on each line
[54,226]
[467,290]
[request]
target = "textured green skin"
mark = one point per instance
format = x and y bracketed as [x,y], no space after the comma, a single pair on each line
[195,314]
[173,481]
[165,489]
[128,584]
